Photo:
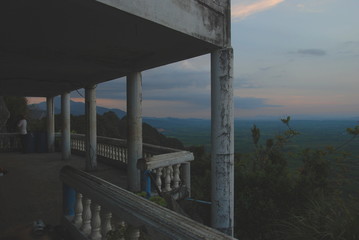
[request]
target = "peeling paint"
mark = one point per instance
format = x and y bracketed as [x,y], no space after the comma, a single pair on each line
[222,140]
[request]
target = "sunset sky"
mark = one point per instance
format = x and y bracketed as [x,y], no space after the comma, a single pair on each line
[292,57]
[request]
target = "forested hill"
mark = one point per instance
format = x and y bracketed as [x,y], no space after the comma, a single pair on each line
[110,125]
[76,108]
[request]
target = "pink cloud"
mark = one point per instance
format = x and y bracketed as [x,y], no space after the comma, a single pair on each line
[243,10]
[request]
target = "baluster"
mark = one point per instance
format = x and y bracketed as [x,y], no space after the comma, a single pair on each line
[106,226]
[96,223]
[171,172]
[126,156]
[158,178]
[78,211]
[86,219]
[168,179]
[133,233]
[176,176]
[110,153]
[120,154]
[123,225]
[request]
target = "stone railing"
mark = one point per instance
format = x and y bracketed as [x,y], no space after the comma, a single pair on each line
[102,209]
[10,142]
[114,148]
[167,169]
[170,166]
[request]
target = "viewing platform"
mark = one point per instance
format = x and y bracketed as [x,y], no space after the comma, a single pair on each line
[53,49]
[39,186]
[32,189]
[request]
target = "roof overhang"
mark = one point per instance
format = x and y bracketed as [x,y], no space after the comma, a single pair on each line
[49,47]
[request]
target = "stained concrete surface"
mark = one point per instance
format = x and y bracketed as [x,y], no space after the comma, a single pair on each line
[32,189]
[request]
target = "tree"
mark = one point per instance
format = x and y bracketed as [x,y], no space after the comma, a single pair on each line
[17,106]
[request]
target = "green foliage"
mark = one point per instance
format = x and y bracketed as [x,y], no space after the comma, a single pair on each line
[200,174]
[322,218]
[158,200]
[274,201]
[17,107]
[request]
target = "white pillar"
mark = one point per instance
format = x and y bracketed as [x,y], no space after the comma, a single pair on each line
[134,129]
[222,211]
[91,130]
[66,134]
[50,124]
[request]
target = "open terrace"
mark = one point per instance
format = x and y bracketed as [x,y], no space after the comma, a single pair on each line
[32,189]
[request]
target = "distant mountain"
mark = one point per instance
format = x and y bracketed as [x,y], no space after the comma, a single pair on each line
[77,108]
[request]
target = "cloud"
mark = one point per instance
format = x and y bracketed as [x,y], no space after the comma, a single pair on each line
[312,51]
[311,6]
[243,10]
[349,49]
[246,82]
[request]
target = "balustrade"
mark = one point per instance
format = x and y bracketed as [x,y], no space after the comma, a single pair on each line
[167,169]
[169,174]
[103,209]
[10,142]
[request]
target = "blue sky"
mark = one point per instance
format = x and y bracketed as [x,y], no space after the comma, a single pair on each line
[292,57]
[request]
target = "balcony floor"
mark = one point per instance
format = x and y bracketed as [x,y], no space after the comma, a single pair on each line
[32,189]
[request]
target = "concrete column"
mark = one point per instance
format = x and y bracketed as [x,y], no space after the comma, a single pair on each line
[91,129]
[222,128]
[134,129]
[66,134]
[50,124]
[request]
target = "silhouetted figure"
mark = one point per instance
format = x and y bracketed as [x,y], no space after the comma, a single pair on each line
[22,125]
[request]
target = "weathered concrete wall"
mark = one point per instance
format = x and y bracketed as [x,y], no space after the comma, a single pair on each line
[203,19]
[4,115]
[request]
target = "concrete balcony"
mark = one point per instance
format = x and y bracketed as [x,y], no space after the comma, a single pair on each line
[32,189]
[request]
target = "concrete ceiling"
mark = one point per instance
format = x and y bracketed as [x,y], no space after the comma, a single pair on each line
[48,47]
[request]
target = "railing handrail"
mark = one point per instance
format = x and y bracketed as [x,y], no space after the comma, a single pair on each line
[136,210]
[123,142]
[9,134]
[164,160]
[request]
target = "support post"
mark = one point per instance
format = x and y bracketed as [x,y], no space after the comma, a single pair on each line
[91,130]
[222,211]
[68,200]
[134,129]
[66,134]
[50,124]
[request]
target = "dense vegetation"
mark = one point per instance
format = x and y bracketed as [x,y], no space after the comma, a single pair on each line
[17,106]
[274,201]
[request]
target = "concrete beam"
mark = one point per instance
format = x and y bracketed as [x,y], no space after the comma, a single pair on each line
[202,19]
[134,129]
[50,124]
[66,134]
[91,128]
[222,140]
